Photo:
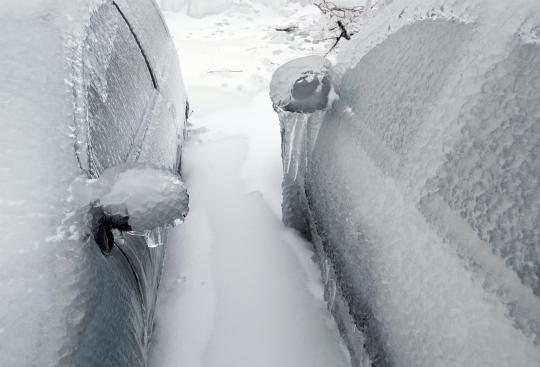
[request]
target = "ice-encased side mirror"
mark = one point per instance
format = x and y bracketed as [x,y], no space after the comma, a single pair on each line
[303,85]
[135,198]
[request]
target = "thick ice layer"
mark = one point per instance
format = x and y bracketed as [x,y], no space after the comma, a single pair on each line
[62,302]
[421,185]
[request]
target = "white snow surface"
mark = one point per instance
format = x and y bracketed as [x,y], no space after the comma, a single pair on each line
[239,288]
[200,8]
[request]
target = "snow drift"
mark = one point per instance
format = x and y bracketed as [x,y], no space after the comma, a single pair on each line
[420,186]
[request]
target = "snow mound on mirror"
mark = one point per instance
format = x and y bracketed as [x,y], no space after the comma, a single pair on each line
[150,196]
[303,85]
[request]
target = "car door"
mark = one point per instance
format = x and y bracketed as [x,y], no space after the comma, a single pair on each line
[163,137]
[120,90]
[120,100]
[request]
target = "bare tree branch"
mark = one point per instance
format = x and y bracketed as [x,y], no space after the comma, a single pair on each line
[343,16]
[328,7]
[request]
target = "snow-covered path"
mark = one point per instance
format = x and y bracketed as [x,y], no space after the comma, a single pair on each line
[239,289]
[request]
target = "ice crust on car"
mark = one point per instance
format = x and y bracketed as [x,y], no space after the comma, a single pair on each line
[62,303]
[420,186]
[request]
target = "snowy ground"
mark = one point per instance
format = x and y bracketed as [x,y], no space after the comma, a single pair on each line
[239,289]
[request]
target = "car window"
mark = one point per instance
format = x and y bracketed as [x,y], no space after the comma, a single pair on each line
[147,21]
[119,85]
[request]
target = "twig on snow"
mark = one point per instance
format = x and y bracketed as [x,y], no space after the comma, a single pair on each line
[287,29]
[344,34]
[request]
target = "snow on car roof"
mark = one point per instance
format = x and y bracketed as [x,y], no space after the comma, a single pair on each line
[504,19]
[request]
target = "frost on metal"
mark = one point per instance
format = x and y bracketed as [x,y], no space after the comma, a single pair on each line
[420,185]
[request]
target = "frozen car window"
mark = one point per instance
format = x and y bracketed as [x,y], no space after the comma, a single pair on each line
[152,32]
[119,89]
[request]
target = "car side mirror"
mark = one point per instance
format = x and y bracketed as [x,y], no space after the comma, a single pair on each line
[136,199]
[303,85]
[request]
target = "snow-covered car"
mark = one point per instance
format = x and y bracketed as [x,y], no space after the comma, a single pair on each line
[92,124]
[420,183]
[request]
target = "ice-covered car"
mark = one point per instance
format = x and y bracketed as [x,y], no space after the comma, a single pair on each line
[92,123]
[420,183]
